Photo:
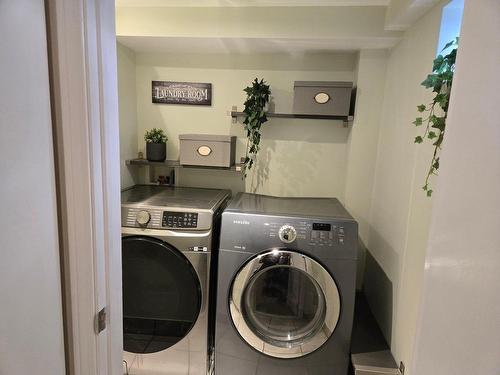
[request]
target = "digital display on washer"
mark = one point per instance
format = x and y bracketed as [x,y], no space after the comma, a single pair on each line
[179,219]
[322,227]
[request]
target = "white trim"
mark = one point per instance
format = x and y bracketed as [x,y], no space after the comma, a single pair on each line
[402,14]
[84,91]
[248,3]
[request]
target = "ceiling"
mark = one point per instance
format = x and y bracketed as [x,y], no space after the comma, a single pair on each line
[248,45]
[264,26]
[247,3]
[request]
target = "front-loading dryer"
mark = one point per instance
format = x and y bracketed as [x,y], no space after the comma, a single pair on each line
[168,238]
[286,286]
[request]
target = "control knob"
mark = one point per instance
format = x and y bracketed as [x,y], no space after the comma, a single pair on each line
[143,217]
[287,234]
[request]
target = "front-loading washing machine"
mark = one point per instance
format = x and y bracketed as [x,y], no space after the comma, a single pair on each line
[168,238]
[286,287]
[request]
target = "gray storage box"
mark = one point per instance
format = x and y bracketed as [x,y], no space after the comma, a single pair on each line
[207,150]
[322,98]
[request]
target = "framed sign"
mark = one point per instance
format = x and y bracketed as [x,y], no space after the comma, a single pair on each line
[192,93]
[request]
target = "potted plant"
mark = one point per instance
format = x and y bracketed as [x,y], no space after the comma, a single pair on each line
[156,147]
[255,105]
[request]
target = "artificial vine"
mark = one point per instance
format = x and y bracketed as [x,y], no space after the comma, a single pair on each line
[440,81]
[257,98]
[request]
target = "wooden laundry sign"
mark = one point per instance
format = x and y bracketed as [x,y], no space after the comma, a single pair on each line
[182,93]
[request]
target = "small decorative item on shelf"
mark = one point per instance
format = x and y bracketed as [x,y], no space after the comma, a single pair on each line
[140,155]
[258,96]
[156,147]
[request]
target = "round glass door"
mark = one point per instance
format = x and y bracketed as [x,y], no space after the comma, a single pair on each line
[161,295]
[284,304]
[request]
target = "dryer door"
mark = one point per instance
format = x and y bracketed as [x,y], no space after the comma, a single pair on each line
[284,304]
[161,295]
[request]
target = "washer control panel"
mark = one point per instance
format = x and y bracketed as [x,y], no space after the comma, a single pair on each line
[143,217]
[166,219]
[287,234]
[179,219]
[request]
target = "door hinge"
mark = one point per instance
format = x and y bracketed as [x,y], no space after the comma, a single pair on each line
[100,321]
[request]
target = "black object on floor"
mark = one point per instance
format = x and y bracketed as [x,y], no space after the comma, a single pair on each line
[366,334]
[369,350]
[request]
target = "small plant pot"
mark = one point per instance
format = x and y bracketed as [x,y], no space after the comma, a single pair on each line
[156,151]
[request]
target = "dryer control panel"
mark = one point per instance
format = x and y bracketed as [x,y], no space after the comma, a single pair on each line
[319,236]
[327,234]
[315,233]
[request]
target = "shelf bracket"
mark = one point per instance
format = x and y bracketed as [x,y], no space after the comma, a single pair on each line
[234,119]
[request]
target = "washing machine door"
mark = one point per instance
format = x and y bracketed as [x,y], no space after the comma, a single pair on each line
[284,304]
[161,295]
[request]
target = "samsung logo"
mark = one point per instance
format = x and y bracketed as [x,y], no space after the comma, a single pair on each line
[242,222]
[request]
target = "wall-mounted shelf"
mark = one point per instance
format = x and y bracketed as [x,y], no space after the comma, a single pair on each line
[345,119]
[177,164]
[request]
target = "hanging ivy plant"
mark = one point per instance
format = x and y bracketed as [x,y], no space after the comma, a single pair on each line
[440,81]
[257,98]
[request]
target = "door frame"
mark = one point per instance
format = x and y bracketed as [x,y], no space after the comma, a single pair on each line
[84,97]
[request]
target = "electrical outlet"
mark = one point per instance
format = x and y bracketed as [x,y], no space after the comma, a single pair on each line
[401,368]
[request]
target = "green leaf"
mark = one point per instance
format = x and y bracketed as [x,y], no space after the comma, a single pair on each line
[438,63]
[439,140]
[155,136]
[441,98]
[445,76]
[438,123]
[430,81]
[449,44]
[418,121]
[440,81]
[258,95]
[436,164]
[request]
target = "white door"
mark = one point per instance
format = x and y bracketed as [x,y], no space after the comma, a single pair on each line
[31,315]
[82,62]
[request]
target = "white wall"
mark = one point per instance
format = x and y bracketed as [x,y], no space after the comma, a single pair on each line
[459,324]
[400,211]
[297,157]
[127,103]
[31,331]
[363,138]
[363,144]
